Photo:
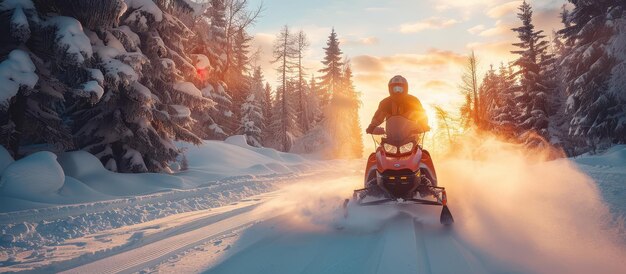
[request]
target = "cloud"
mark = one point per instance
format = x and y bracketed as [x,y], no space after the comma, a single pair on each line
[263,42]
[376,80]
[499,29]
[548,19]
[433,58]
[449,4]
[373,72]
[430,23]
[366,41]
[437,85]
[367,63]
[507,8]
[476,29]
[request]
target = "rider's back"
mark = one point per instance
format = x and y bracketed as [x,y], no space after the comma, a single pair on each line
[405,105]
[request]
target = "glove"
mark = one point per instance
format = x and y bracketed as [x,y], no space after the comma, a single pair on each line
[370,129]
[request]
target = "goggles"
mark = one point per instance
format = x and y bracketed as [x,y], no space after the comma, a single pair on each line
[398,89]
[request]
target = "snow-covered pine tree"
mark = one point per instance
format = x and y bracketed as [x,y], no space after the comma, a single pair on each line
[502,115]
[210,41]
[337,132]
[488,98]
[556,98]
[595,67]
[148,101]
[331,78]
[532,97]
[251,120]
[217,43]
[45,58]
[253,111]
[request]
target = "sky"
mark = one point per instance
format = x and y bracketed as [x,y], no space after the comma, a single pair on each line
[426,41]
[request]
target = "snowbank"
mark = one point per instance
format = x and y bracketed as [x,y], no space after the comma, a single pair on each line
[79,177]
[608,170]
[5,159]
[240,141]
[37,175]
[613,157]
[87,169]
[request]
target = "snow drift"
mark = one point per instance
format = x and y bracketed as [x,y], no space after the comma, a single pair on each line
[42,180]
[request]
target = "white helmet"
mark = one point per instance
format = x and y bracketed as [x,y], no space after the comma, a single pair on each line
[398,85]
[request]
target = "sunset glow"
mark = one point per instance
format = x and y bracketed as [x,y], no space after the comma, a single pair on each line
[425,41]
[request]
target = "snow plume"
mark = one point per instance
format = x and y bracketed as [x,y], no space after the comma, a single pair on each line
[545,216]
[315,206]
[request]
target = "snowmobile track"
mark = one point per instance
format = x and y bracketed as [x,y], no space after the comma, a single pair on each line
[153,253]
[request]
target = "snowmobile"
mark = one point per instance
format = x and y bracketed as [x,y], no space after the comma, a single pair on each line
[400,171]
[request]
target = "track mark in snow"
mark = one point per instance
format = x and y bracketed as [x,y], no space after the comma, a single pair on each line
[445,254]
[139,258]
[423,260]
[399,250]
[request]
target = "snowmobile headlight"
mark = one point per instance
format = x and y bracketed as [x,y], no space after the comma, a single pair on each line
[406,148]
[391,149]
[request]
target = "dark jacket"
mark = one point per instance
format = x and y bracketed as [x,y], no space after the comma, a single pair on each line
[405,105]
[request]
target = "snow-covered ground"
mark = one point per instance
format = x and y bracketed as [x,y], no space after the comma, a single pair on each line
[49,203]
[609,173]
[512,216]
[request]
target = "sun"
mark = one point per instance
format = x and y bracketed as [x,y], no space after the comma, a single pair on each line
[432,117]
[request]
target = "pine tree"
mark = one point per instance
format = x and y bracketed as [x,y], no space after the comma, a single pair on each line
[488,96]
[258,102]
[145,107]
[251,119]
[37,81]
[217,43]
[503,113]
[596,102]
[533,93]
[331,77]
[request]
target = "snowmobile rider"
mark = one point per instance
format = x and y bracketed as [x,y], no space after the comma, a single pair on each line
[399,102]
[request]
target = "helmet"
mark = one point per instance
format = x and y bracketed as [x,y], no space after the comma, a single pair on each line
[398,85]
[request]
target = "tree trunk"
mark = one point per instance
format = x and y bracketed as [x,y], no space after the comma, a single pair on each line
[17,114]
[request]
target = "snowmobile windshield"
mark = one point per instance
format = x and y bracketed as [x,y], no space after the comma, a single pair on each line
[401,130]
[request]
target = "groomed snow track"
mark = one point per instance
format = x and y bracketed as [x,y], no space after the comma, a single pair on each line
[402,245]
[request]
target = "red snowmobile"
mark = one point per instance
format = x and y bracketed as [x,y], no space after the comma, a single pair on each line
[400,171]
